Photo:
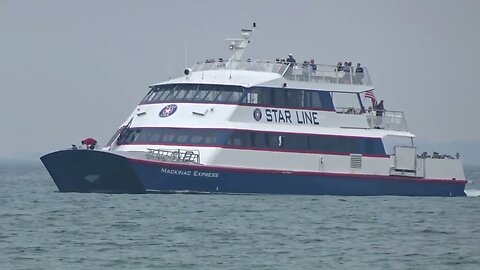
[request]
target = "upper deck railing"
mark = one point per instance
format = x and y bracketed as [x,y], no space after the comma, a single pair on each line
[390,120]
[298,72]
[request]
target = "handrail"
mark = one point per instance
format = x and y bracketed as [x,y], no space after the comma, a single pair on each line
[379,119]
[390,120]
[176,155]
[297,71]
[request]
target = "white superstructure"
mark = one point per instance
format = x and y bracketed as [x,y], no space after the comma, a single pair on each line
[287,117]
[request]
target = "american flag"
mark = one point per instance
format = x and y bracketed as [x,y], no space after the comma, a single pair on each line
[369,94]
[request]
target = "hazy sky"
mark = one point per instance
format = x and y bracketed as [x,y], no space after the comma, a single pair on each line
[76,69]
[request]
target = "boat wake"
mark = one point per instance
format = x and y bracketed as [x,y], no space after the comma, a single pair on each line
[472,192]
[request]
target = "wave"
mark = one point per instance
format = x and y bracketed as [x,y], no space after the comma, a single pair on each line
[472,192]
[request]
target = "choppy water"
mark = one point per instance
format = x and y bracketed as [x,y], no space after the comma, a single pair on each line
[41,228]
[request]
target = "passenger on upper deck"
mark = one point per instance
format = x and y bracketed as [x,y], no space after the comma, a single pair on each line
[339,67]
[291,60]
[313,66]
[347,67]
[305,71]
[358,74]
[312,69]
[380,108]
[359,68]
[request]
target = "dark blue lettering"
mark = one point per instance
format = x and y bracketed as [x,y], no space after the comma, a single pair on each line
[307,117]
[298,118]
[314,114]
[275,114]
[268,113]
[288,116]
[280,116]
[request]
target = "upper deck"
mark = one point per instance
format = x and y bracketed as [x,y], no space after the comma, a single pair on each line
[289,87]
[306,72]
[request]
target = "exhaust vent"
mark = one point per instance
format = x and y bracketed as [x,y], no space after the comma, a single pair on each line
[355,161]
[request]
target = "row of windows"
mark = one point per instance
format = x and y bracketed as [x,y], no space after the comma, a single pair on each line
[253,139]
[206,93]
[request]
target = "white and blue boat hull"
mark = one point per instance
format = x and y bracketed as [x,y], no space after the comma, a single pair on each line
[100,171]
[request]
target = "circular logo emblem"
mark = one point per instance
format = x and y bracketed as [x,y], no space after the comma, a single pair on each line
[257,114]
[168,110]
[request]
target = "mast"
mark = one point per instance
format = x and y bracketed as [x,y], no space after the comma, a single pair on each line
[238,45]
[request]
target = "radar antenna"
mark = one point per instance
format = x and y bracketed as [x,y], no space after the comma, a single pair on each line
[238,45]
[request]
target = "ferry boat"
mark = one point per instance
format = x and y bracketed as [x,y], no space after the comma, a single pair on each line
[247,126]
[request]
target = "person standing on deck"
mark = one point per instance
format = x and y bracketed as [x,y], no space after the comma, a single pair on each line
[359,74]
[380,108]
[90,143]
[291,62]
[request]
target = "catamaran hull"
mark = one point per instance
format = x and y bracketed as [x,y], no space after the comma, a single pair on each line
[92,171]
[99,171]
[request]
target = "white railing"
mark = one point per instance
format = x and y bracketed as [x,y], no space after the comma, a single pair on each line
[327,74]
[177,155]
[263,66]
[298,71]
[349,110]
[391,120]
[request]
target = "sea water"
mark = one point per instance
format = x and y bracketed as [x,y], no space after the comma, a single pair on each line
[41,228]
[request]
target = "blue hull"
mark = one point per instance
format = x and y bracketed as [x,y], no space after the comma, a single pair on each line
[97,171]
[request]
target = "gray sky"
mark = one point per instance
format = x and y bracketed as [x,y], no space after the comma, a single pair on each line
[76,69]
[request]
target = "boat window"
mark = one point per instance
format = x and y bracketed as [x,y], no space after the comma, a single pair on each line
[182,138]
[210,92]
[163,92]
[171,94]
[316,101]
[152,96]
[255,140]
[180,92]
[168,137]
[191,91]
[273,140]
[212,139]
[239,138]
[117,133]
[294,98]
[289,98]
[150,93]
[279,97]
[145,135]
[235,97]
[259,139]
[132,135]
[224,96]
[203,93]
[196,139]
[252,98]
[347,102]
[293,141]
[265,96]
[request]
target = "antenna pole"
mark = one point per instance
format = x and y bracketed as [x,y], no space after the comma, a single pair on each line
[186,62]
